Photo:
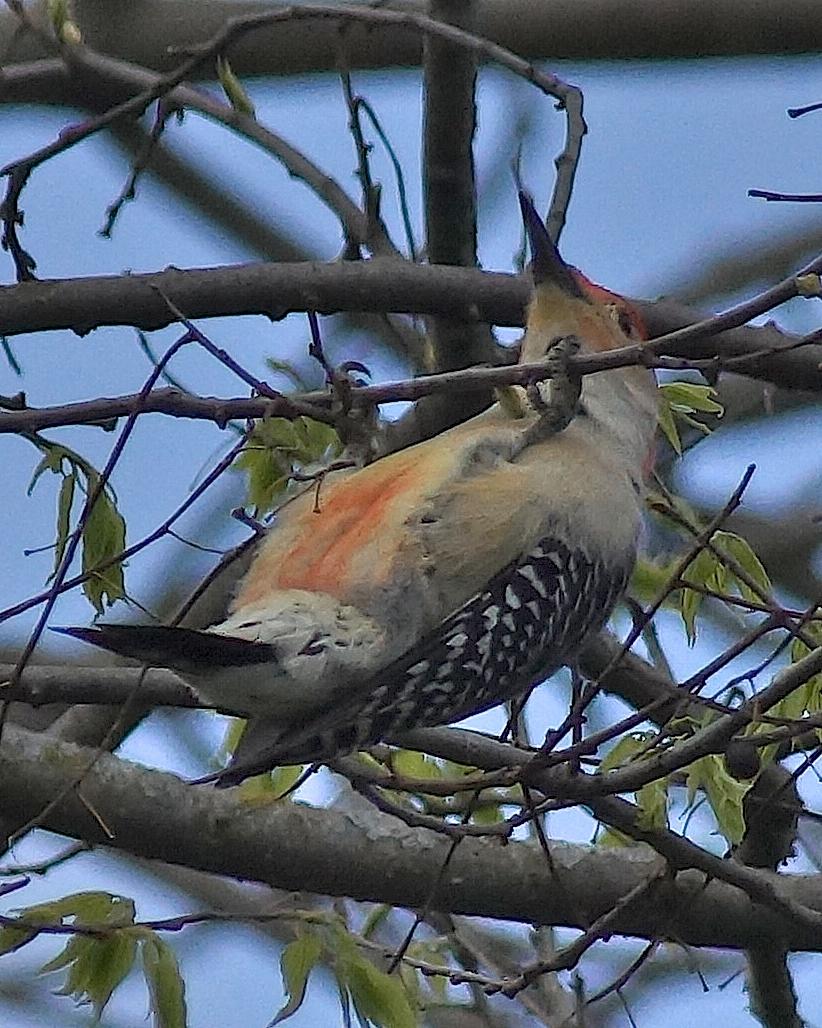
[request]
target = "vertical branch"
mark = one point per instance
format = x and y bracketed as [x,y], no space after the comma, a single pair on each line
[449,76]
[771,808]
[449,124]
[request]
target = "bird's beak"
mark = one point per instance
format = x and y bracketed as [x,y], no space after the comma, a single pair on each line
[546,264]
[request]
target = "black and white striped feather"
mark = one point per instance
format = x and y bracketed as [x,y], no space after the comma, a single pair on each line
[531,619]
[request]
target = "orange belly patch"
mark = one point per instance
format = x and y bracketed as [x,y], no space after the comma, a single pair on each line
[319,551]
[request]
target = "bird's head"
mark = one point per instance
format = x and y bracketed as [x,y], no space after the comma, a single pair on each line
[566,303]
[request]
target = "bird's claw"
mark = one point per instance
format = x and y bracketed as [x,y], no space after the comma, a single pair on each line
[357,424]
[557,398]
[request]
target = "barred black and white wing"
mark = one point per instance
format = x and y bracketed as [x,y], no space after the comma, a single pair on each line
[531,619]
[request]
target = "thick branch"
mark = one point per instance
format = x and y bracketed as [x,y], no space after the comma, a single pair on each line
[484,753]
[41,684]
[276,290]
[450,120]
[292,846]
[144,30]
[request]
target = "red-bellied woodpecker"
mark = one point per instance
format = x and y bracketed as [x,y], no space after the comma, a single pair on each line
[445,578]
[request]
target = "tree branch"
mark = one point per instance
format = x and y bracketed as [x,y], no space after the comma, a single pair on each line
[19,417]
[449,195]
[143,30]
[292,846]
[41,684]
[276,290]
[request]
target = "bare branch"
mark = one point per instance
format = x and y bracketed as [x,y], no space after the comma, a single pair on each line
[583,30]
[449,193]
[276,290]
[19,418]
[155,815]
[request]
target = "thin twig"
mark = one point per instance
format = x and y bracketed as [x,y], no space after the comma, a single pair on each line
[94,493]
[130,551]
[768,194]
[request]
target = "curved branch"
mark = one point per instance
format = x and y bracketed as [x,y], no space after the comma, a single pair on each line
[236,27]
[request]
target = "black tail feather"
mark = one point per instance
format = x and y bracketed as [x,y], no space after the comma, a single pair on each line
[182,648]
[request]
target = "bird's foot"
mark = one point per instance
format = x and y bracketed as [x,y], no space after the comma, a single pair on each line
[556,399]
[357,424]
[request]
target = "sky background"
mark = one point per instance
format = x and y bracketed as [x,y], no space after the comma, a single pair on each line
[671,152]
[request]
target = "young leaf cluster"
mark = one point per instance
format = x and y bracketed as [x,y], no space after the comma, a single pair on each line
[378,999]
[279,447]
[104,950]
[711,572]
[104,530]
[679,402]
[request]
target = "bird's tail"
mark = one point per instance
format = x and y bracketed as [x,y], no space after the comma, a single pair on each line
[183,649]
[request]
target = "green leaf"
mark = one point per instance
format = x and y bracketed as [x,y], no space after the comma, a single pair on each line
[649,579]
[795,705]
[58,13]
[68,955]
[488,814]
[624,752]
[740,549]
[667,423]
[165,985]
[95,967]
[411,764]
[318,440]
[52,460]
[432,951]
[377,916]
[104,536]
[282,779]
[806,699]
[808,285]
[705,570]
[233,88]
[296,963]
[271,785]
[113,962]
[264,461]
[231,739]
[12,939]
[678,401]
[268,786]
[811,691]
[276,449]
[652,800]
[378,998]
[724,793]
[64,502]
[691,397]
[91,909]
[613,837]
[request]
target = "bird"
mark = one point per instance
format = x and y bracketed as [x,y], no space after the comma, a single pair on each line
[445,578]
